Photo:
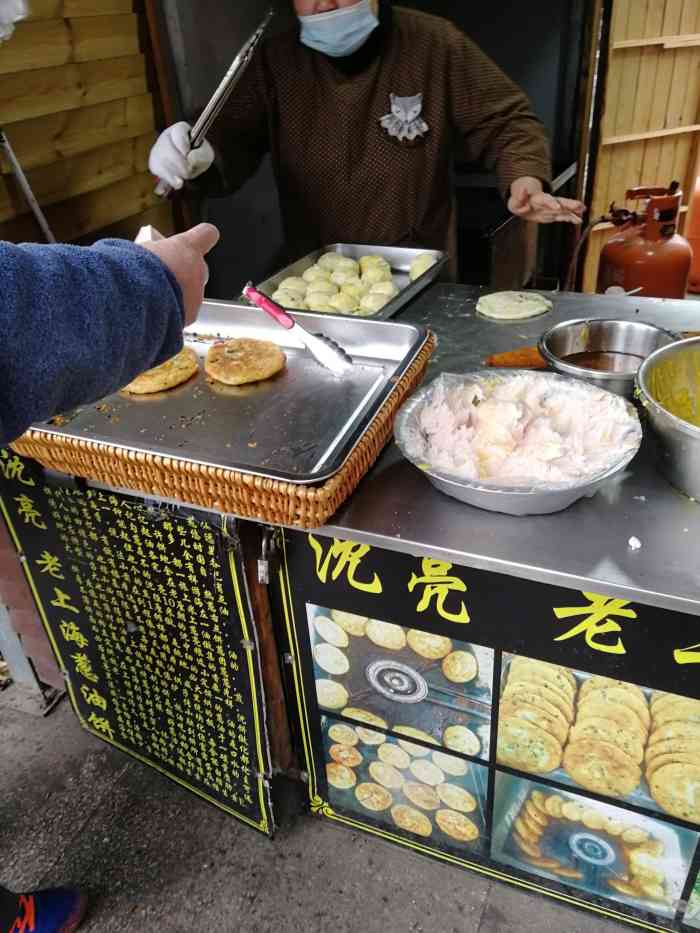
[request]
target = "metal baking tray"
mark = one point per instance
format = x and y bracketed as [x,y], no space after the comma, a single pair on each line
[399,259]
[298,427]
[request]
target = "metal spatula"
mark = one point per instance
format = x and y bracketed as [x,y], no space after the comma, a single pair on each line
[326,351]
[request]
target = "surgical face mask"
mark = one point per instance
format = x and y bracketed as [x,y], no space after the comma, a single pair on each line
[340,32]
[10,12]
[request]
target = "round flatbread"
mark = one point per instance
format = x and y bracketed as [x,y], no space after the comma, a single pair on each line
[565,872]
[427,772]
[676,710]
[549,864]
[601,767]
[619,696]
[645,869]
[675,730]
[428,645]
[344,735]
[331,695]
[634,836]
[662,700]
[597,682]
[671,758]
[553,805]
[417,751]
[340,776]
[536,671]
[349,622]
[545,691]
[412,821]
[552,722]
[386,635]
[679,745]
[461,739]
[607,730]
[460,667]
[422,796]
[531,849]
[528,827]
[653,847]
[345,755]
[370,737]
[373,797]
[539,800]
[614,827]
[513,306]
[450,765]
[364,715]
[572,811]
[623,717]
[534,813]
[531,695]
[331,632]
[391,754]
[171,373]
[526,747]
[623,887]
[456,798]
[593,820]
[331,659]
[457,826]
[242,360]
[386,775]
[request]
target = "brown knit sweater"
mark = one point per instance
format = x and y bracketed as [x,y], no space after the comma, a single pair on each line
[341,176]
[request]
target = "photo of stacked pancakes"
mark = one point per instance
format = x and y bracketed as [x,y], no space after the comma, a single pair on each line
[408,787]
[672,758]
[583,841]
[406,680]
[607,736]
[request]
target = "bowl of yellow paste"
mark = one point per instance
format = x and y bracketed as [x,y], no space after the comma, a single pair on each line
[668,386]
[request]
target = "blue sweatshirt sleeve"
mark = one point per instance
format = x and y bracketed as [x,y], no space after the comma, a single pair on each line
[77,323]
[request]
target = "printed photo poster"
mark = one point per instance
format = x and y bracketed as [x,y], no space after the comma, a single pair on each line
[609,737]
[406,789]
[424,686]
[692,912]
[601,849]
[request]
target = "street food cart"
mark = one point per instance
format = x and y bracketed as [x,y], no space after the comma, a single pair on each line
[516,696]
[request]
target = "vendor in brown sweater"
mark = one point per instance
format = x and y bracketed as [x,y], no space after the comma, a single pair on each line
[363,108]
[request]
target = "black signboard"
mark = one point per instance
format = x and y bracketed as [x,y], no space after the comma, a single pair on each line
[148,614]
[533,733]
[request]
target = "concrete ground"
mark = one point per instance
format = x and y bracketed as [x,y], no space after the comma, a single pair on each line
[154,857]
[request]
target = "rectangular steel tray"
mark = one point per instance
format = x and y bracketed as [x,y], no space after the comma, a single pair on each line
[298,427]
[399,259]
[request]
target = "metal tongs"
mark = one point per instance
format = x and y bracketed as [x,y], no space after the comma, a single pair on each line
[223,92]
[326,351]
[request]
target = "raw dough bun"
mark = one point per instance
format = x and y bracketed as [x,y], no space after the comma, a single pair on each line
[330,261]
[375,274]
[294,284]
[292,300]
[388,289]
[345,276]
[348,265]
[371,304]
[420,265]
[368,262]
[236,362]
[171,373]
[314,273]
[320,303]
[344,303]
[322,286]
[355,289]
[513,306]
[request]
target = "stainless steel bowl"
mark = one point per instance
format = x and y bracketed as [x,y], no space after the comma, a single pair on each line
[609,352]
[512,500]
[667,382]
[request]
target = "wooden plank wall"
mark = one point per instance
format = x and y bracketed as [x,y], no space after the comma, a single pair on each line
[77,108]
[651,117]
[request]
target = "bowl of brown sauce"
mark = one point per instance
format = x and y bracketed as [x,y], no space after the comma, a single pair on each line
[604,352]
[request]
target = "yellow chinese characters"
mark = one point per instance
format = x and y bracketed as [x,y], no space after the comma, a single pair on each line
[599,620]
[438,586]
[27,510]
[91,696]
[71,632]
[50,564]
[348,556]
[12,468]
[83,666]
[101,724]
[689,655]
[62,601]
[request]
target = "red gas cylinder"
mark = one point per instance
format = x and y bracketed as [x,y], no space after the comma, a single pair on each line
[692,232]
[647,254]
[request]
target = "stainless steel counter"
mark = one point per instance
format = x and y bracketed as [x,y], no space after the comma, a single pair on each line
[585,547]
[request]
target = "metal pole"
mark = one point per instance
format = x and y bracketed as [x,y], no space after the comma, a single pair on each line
[26,187]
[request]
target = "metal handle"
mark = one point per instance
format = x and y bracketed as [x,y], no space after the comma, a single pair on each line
[268,306]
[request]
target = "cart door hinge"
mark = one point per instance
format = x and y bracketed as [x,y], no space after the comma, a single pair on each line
[267,549]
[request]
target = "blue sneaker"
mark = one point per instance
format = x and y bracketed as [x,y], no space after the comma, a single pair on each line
[58,910]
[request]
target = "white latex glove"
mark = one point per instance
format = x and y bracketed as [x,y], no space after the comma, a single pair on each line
[173,159]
